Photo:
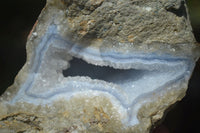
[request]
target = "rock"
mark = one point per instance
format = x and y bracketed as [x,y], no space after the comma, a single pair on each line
[101,66]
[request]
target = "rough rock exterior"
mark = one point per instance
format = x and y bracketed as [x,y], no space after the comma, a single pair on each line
[101,66]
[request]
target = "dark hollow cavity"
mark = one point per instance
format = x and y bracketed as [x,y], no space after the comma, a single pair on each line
[79,67]
[181,11]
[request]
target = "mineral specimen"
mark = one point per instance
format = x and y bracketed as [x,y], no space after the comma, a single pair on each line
[101,66]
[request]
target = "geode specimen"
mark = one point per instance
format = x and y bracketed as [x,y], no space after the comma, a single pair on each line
[101,66]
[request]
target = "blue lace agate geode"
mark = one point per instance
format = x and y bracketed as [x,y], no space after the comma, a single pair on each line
[105,63]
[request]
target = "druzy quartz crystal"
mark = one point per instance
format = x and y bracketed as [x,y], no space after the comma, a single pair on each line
[101,66]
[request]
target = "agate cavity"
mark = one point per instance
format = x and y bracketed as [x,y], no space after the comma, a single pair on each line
[129,84]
